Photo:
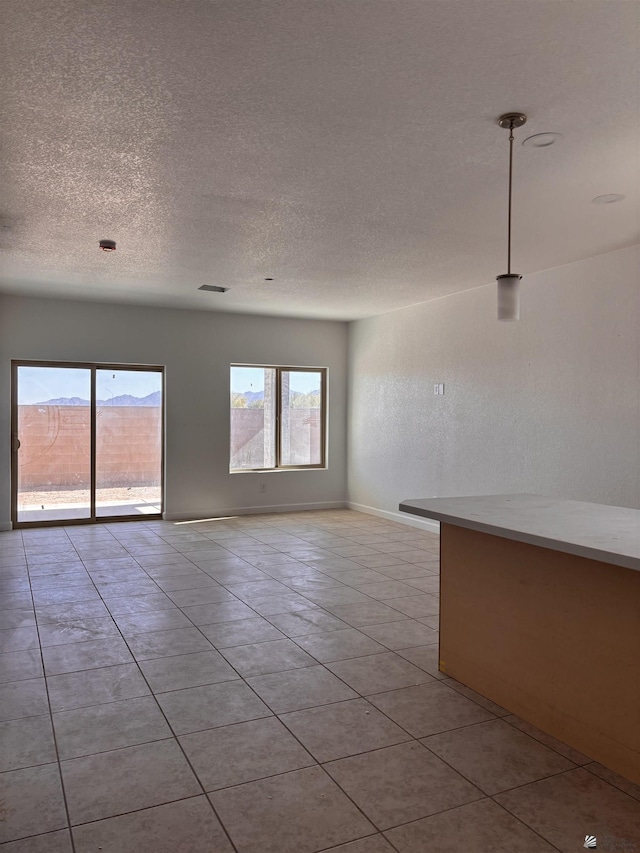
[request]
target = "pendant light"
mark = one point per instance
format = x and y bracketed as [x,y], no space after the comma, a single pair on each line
[509,284]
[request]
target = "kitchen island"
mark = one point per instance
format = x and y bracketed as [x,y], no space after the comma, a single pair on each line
[540,612]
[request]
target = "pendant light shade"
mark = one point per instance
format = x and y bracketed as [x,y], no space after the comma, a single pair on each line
[509,284]
[509,296]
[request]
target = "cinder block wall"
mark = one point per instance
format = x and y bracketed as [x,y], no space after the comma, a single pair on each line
[55,446]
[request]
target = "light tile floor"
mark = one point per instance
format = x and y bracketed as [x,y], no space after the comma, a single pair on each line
[263,684]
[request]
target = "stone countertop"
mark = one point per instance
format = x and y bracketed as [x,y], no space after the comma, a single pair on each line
[610,534]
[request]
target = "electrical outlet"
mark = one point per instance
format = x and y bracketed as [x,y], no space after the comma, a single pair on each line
[438,389]
[263,487]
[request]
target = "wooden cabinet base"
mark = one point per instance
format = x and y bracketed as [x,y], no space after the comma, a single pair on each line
[552,637]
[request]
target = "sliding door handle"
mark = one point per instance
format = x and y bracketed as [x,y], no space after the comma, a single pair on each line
[15,444]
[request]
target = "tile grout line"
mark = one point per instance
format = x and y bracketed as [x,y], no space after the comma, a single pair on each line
[453,808]
[414,739]
[411,739]
[410,736]
[198,627]
[305,749]
[486,796]
[173,737]
[417,740]
[53,732]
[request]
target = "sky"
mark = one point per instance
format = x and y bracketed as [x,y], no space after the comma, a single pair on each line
[39,384]
[252,379]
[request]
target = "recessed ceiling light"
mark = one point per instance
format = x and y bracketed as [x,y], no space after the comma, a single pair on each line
[213,288]
[541,140]
[607,199]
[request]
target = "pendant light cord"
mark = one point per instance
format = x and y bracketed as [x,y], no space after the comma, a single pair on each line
[510,186]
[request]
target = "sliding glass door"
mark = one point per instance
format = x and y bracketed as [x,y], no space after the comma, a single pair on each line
[128,442]
[52,443]
[87,442]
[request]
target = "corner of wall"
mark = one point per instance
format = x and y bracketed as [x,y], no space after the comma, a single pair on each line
[402,518]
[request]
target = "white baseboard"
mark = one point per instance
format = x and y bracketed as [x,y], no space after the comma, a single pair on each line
[422,524]
[252,510]
[402,517]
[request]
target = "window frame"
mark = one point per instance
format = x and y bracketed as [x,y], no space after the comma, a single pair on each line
[279,370]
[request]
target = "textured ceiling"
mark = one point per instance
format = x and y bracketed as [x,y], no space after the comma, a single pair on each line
[346,148]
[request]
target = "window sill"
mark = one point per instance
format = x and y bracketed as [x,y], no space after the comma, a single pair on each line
[278,470]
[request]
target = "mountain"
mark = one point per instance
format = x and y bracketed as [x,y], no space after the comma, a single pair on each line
[251,396]
[154,399]
[64,401]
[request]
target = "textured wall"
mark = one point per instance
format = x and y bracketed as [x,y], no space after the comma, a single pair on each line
[196,349]
[547,405]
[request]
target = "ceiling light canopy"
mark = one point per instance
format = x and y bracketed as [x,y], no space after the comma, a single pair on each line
[509,283]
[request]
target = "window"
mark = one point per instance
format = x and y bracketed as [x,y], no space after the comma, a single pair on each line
[278,417]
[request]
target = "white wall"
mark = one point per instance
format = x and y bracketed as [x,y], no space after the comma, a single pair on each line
[196,349]
[547,405]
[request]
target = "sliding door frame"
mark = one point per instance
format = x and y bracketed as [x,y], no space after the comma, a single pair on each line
[93,367]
